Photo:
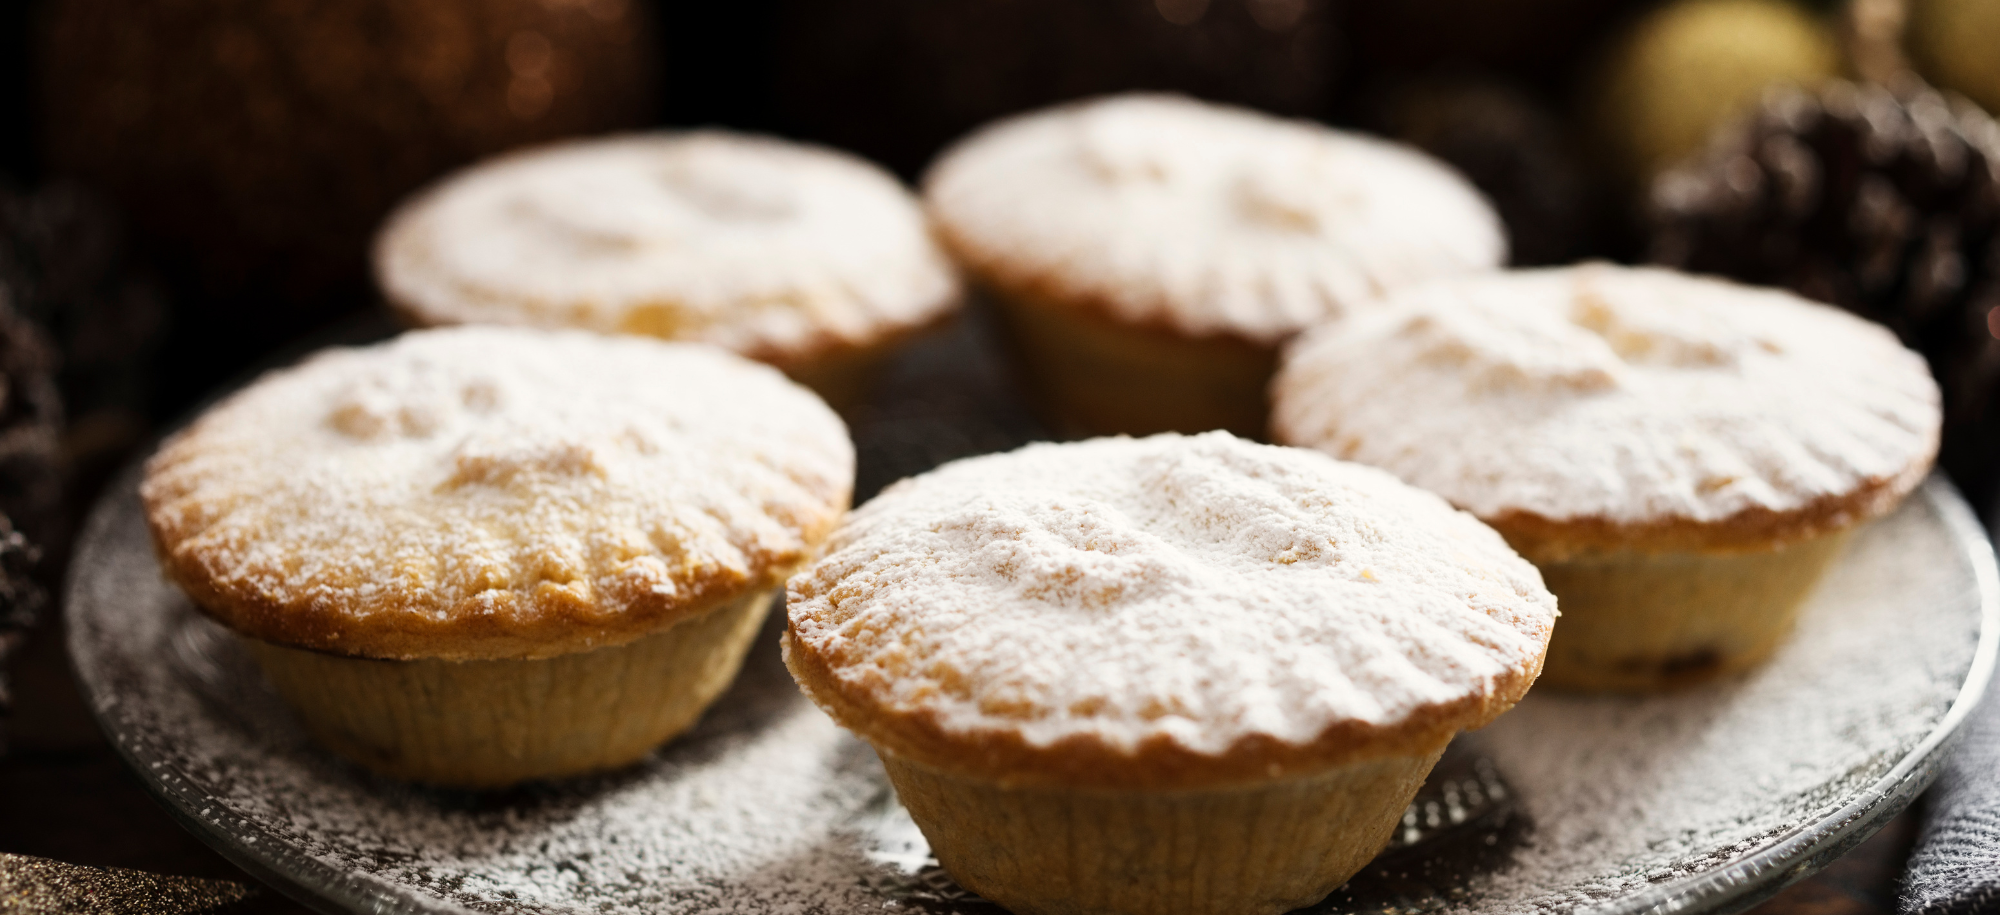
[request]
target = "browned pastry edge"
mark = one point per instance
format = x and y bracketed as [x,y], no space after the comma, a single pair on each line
[1005,278]
[1539,538]
[1157,763]
[539,620]
[514,626]
[820,344]
[794,361]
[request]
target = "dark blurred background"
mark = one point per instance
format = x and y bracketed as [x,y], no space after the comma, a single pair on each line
[232,157]
[188,186]
[240,152]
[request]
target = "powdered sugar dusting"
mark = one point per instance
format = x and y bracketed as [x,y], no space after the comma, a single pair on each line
[758,245]
[1201,589]
[754,811]
[679,833]
[523,492]
[1627,793]
[1206,218]
[1635,395]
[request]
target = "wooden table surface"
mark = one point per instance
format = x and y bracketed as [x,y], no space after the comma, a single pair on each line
[65,795]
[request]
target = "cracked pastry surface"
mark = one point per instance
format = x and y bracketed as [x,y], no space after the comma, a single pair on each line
[776,250]
[1206,219]
[1162,612]
[1601,407]
[488,492]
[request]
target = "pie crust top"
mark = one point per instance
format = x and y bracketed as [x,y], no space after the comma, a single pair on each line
[1163,612]
[488,492]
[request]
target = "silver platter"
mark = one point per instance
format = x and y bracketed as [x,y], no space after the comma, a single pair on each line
[1708,800]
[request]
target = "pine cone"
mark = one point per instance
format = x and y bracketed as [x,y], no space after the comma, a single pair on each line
[1886,203]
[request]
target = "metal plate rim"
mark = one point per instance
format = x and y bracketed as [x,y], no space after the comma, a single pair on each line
[1728,888]
[1756,876]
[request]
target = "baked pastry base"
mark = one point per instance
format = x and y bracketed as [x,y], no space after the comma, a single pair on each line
[1643,622]
[1242,850]
[487,724]
[1092,376]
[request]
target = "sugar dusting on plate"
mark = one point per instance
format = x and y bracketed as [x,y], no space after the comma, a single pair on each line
[764,807]
[1624,794]
[767,807]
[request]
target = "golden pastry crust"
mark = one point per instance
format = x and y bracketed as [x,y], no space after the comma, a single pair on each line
[1157,762]
[1010,280]
[784,252]
[1162,212]
[1162,613]
[484,493]
[1599,409]
[1542,539]
[493,723]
